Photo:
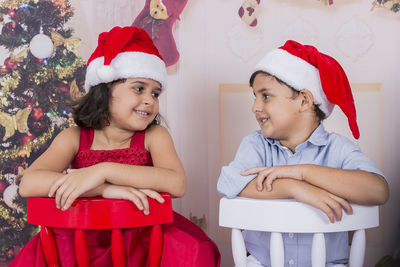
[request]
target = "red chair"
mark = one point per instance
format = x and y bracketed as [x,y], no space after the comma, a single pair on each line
[99,213]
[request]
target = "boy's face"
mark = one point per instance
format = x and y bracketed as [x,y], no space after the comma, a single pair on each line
[276,108]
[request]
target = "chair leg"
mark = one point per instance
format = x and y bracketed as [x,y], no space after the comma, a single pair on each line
[156,244]
[318,251]
[276,250]
[49,247]
[81,249]
[117,248]
[238,248]
[357,250]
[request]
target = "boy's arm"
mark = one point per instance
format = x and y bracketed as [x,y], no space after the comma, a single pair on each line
[250,153]
[328,203]
[361,187]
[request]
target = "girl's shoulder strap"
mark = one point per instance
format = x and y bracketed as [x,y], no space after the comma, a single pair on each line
[137,139]
[86,138]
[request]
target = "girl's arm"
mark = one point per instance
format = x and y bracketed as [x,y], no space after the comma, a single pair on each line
[328,203]
[49,166]
[361,187]
[167,175]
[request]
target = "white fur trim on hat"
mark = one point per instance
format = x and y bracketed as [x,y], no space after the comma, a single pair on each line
[126,65]
[297,73]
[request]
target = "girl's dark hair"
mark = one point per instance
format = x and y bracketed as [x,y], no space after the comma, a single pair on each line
[318,112]
[92,110]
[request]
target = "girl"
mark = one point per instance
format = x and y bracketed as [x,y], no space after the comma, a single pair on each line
[119,151]
[295,88]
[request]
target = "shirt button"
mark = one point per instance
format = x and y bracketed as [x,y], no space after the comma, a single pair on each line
[291,262]
[291,235]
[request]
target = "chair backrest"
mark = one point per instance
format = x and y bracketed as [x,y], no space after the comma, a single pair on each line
[99,213]
[289,216]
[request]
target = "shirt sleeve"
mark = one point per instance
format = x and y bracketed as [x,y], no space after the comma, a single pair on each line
[251,153]
[355,159]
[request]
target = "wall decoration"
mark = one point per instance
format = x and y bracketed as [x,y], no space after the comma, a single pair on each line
[157,19]
[354,38]
[245,42]
[390,5]
[35,80]
[247,12]
[327,2]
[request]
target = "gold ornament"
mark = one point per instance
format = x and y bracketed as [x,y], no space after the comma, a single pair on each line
[15,122]
[25,150]
[70,43]
[20,56]
[74,91]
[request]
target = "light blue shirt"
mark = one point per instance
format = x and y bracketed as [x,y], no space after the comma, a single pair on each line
[322,148]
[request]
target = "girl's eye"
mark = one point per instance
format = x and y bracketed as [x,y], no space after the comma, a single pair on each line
[155,95]
[138,88]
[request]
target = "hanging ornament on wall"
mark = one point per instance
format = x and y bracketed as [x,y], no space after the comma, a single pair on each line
[41,46]
[247,12]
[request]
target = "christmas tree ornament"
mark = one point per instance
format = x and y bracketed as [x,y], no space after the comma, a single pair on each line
[41,46]
[11,29]
[157,19]
[19,122]
[9,196]
[327,2]
[247,12]
[71,43]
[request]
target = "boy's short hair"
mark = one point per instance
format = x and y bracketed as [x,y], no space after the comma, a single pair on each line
[93,109]
[318,112]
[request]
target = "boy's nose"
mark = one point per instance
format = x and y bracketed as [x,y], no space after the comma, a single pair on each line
[256,107]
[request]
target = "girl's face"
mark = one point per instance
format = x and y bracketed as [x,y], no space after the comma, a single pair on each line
[134,103]
[275,108]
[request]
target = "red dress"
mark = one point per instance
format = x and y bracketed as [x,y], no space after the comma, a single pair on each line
[184,244]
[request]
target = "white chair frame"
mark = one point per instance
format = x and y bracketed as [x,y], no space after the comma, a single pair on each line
[267,215]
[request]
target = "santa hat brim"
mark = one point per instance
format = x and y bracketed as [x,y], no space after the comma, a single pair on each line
[297,73]
[127,65]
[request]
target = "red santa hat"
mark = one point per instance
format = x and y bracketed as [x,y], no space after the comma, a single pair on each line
[126,52]
[304,67]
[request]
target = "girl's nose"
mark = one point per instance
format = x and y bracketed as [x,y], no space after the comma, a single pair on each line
[148,99]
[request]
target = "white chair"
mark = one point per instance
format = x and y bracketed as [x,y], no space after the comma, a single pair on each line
[266,215]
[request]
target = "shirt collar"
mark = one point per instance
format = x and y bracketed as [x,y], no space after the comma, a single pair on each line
[319,137]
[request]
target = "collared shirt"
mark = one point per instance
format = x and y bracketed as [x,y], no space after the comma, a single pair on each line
[322,148]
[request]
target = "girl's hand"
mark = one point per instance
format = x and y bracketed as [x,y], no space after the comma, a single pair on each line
[269,174]
[137,196]
[74,184]
[328,203]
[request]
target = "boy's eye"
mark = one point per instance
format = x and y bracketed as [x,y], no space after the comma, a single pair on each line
[265,96]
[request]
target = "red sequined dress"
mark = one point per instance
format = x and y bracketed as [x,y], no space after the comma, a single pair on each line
[184,244]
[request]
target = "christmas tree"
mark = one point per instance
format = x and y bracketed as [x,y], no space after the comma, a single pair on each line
[39,78]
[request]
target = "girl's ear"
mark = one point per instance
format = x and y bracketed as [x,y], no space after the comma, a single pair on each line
[307,100]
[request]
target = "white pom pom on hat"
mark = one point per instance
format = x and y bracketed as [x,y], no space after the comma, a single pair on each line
[123,53]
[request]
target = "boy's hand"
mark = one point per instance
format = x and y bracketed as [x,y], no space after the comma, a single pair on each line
[330,204]
[268,174]
[74,184]
[137,196]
